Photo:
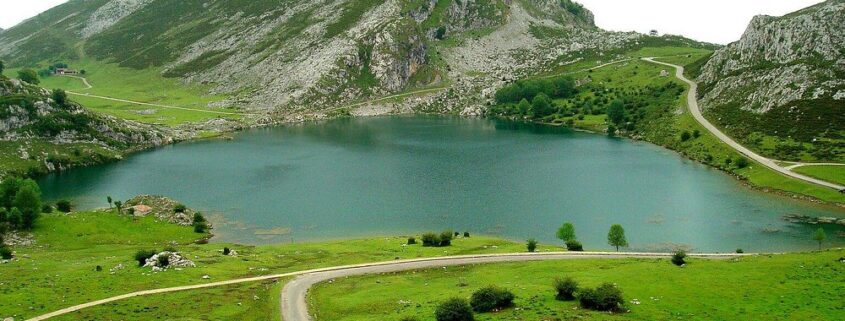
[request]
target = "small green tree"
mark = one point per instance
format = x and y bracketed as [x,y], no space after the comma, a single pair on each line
[28,201]
[446,238]
[455,309]
[15,218]
[566,232]
[819,236]
[540,106]
[679,257]
[611,130]
[531,245]
[523,107]
[108,199]
[60,97]
[616,112]
[616,236]
[28,75]
[119,206]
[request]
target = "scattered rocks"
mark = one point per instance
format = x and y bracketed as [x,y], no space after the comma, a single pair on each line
[165,260]
[806,219]
[18,238]
[162,208]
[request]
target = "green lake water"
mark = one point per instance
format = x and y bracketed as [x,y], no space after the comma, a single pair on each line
[404,175]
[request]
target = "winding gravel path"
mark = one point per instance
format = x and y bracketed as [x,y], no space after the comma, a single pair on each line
[692,102]
[294,306]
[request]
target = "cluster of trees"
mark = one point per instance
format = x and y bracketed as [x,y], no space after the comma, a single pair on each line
[29,76]
[534,97]
[566,233]
[20,204]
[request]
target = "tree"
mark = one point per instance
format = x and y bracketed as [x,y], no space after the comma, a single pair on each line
[60,97]
[565,288]
[455,309]
[540,106]
[28,199]
[611,131]
[28,75]
[616,112]
[15,218]
[108,199]
[819,236]
[616,236]
[531,245]
[119,206]
[8,190]
[566,232]
[2,67]
[523,107]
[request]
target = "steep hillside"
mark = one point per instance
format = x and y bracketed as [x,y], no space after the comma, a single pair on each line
[294,55]
[45,131]
[781,88]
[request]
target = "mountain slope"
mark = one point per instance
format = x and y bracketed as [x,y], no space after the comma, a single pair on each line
[782,86]
[295,55]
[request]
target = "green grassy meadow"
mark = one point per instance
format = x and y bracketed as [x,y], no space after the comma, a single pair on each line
[60,269]
[142,85]
[834,174]
[805,286]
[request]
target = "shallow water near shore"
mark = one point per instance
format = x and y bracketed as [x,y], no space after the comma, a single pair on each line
[400,175]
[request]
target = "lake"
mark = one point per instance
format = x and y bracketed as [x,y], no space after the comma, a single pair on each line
[388,176]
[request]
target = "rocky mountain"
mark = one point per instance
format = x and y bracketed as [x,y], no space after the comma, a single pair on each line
[292,55]
[785,78]
[30,112]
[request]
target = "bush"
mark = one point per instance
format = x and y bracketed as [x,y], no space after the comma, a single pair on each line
[531,245]
[490,298]
[170,248]
[741,162]
[226,251]
[574,245]
[739,251]
[142,255]
[179,208]
[685,136]
[446,238]
[566,288]
[678,257]
[47,209]
[412,241]
[200,227]
[164,260]
[606,297]
[466,234]
[430,239]
[455,309]
[64,206]
[5,253]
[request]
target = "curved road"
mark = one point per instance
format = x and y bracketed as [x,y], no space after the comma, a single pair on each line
[294,306]
[692,102]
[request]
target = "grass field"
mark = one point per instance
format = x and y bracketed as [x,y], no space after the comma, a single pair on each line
[60,270]
[807,286]
[834,174]
[145,85]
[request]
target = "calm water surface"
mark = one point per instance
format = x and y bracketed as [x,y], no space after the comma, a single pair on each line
[397,175]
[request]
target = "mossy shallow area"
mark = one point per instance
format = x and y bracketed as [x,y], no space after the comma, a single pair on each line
[60,269]
[806,286]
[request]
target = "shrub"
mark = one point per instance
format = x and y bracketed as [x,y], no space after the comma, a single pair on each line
[164,260]
[574,246]
[531,245]
[5,253]
[565,288]
[490,298]
[678,257]
[226,251]
[142,255]
[170,248]
[179,208]
[685,136]
[200,227]
[430,239]
[466,234]
[446,238]
[740,251]
[457,234]
[412,241]
[455,309]
[98,268]
[741,162]
[64,206]
[606,297]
